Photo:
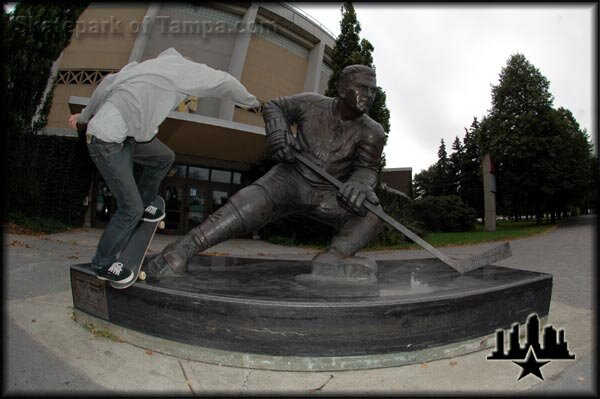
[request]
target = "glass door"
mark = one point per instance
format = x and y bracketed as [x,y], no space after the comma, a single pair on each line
[197,205]
[173,194]
[219,198]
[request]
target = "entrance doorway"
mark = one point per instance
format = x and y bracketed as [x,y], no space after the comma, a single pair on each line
[191,193]
[186,206]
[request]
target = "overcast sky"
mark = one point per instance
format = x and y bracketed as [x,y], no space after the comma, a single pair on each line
[437,64]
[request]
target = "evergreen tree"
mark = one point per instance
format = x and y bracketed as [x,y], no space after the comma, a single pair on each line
[437,179]
[350,50]
[347,49]
[471,180]
[366,52]
[456,160]
[444,179]
[425,183]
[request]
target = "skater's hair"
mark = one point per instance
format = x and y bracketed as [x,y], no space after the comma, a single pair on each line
[353,69]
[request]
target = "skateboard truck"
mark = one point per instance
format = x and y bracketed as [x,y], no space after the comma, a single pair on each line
[460,265]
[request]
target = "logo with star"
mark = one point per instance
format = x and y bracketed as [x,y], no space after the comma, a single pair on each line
[552,347]
[531,365]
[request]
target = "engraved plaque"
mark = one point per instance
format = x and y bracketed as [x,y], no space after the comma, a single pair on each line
[89,294]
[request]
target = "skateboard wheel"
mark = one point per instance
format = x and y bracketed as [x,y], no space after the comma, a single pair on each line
[142,276]
[161,225]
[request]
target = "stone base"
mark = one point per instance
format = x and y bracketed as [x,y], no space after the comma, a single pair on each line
[257,307]
[290,363]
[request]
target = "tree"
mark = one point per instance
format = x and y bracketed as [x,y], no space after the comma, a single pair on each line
[425,183]
[437,179]
[350,50]
[347,49]
[34,36]
[537,150]
[445,184]
[513,133]
[455,167]
[572,155]
[456,174]
[590,201]
[471,181]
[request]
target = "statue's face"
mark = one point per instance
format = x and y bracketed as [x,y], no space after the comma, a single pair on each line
[359,92]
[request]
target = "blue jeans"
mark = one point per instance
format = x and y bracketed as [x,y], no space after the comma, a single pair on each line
[115,163]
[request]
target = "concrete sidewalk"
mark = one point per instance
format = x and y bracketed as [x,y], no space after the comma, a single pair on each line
[49,353]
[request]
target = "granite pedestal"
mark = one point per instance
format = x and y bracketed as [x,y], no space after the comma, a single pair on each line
[255,306]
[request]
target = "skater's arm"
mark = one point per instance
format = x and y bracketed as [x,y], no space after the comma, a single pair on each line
[96,100]
[233,90]
[204,81]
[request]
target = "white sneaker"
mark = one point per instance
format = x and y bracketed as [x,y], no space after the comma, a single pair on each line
[116,272]
[153,214]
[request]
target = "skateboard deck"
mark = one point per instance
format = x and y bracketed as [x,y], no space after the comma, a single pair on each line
[132,257]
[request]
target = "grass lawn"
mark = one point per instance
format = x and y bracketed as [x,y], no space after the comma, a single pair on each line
[505,230]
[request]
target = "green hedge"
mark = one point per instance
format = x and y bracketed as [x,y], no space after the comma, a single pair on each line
[64,170]
[444,213]
[399,208]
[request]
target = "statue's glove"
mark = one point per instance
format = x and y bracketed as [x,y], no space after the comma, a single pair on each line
[353,194]
[281,145]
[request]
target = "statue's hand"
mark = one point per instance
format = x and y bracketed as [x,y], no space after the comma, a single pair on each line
[353,194]
[281,145]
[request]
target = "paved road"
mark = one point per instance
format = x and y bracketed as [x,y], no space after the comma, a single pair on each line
[37,362]
[569,253]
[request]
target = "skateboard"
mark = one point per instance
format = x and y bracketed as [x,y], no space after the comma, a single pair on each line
[132,257]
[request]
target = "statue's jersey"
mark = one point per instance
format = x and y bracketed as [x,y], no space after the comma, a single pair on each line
[346,149]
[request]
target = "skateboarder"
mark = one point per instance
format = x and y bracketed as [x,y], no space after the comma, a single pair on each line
[122,117]
[336,134]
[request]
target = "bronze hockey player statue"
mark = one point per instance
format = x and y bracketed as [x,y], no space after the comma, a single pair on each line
[334,133]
